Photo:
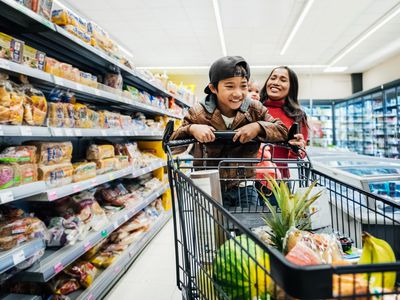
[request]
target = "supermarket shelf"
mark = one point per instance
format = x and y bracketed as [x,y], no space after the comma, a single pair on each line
[76,187]
[22,191]
[20,297]
[82,90]
[10,258]
[104,282]
[55,261]
[35,131]
[54,39]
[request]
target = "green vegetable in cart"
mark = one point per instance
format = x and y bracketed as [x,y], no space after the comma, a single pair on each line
[241,270]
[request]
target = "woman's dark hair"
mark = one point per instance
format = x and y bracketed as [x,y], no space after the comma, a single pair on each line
[292,106]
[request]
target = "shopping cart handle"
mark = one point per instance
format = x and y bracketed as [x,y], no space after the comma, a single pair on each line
[224,134]
[178,143]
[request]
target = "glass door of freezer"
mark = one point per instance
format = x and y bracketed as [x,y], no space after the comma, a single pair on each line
[379,123]
[341,124]
[368,126]
[355,125]
[391,123]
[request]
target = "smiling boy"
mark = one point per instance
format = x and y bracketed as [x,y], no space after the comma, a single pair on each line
[227,107]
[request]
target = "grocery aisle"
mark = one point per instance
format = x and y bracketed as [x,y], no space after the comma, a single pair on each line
[152,275]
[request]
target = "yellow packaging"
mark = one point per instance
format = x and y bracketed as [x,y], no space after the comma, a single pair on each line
[99,152]
[84,170]
[105,165]
[82,119]
[34,58]
[56,175]
[5,41]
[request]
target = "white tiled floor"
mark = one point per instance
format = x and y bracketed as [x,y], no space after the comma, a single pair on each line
[152,275]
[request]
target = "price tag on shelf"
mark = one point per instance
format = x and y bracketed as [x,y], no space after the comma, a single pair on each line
[18,257]
[4,64]
[104,233]
[69,132]
[117,269]
[111,176]
[90,297]
[1,130]
[57,131]
[26,131]
[115,225]
[58,267]
[52,195]
[103,132]
[78,132]
[6,197]
[87,246]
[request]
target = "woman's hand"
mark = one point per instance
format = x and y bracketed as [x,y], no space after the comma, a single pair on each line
[202,133]
[298,141]
[248,132]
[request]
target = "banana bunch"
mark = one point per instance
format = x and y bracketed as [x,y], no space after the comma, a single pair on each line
[377,251]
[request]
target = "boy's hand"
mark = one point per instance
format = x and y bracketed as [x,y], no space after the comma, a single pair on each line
[298,141]
[202,133]
[248,132]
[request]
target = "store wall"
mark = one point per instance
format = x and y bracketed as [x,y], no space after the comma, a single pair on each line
[385,72]
[312,86]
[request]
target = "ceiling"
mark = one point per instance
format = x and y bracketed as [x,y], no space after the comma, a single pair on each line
[184,33]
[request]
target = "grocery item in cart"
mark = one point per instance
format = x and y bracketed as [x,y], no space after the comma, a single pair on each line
[56,175]
[83,171]
[50,153]
[19,154]
[99,152]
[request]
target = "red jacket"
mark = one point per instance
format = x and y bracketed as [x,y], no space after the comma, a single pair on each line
[275,110]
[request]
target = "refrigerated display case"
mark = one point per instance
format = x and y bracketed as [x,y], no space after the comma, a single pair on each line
[369,122]
[320,120]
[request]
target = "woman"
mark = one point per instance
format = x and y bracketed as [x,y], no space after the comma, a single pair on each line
[279,95]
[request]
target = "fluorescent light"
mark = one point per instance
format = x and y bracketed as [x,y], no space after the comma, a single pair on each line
[297,26]
[335,69]
[219,26]
[388,16]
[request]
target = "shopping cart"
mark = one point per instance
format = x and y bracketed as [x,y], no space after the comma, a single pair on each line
[218,256]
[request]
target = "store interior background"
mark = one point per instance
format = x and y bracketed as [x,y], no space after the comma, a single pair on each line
[324,42]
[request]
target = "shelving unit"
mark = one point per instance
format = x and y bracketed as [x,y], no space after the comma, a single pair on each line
[22,23]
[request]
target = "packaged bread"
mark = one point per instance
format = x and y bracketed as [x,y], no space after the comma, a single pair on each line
[50,153]
[97,152]
[52,66]
[6,176]
[56,175]
[105,165]
[5,40]
[84,170]
[44,8]
[66,71]
[64,17]
[19,154]
[122,162]
[81,113]
[35,106]
[57,115]
[94,118]
[126,121]
[69,115]
[76,31]
[129,149]
[25,173]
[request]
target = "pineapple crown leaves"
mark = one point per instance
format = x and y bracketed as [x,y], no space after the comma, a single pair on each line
[293,207]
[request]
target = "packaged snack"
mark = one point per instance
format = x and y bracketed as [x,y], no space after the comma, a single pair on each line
[98,152]
[113,80]
[84,271]
[44,8]
[85,78]
[122,162]
[65,231]
[34,58]
[94,118]
[17,50]
[69,115]
[56,175]
[52,66]
[96,249]
[35,106]
[64,17]
[103,121]
[66,71]
[126,121]
[105,165]
[6,176]
[19,154]
[26,173]
[78,33]
[116,247]
[82,119]
[104,259]
[115,194]
[129,149]
[9,242]
[50,153]
[64,285]
[84,170]
[5,46]
[30,227]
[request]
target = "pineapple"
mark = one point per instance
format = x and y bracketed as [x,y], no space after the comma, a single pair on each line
[293,211]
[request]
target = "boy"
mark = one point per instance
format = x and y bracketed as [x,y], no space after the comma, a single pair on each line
[227,107]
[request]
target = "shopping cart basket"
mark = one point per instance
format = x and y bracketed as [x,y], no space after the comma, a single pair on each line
[219,256]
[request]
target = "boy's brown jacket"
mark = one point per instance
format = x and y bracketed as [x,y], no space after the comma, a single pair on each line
[207,113]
